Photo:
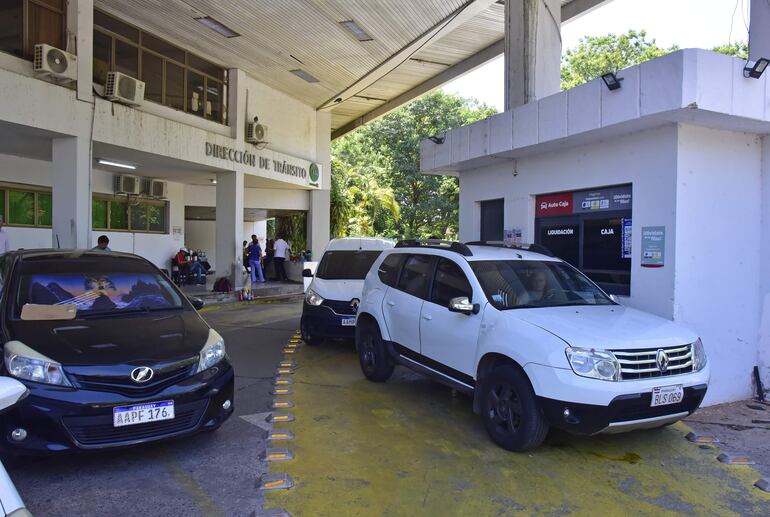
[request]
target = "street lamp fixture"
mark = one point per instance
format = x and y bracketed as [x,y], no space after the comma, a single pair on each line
[755,69]
[612,81]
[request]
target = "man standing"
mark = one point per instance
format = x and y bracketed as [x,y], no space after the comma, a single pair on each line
[102,244]
[255,254]
[280,256]
[5,246]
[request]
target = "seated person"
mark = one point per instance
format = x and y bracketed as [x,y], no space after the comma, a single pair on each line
[538,286]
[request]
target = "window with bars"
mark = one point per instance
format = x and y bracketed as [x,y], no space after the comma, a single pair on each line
[115,214]
[25,23]
[172,76]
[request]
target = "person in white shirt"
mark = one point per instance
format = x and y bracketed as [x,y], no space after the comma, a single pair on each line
[5,246]
[281,254]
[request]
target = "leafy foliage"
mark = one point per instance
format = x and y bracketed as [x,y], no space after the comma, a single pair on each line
[738,49]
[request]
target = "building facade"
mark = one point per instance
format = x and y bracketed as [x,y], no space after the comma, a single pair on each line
[65,145]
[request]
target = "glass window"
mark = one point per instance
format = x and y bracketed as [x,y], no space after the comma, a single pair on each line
[21,207]
[99,214]
[152,75]
[416,274]
[213,100]
[139,217]
[204,66]
[11,23]
[116,26]
[45,26]
[450,282]
[102,57]
[126,58]
[161,47]
[388,270]
[44,209]
[118,215]
[518,284]
[346,265]
[156,217]
[2,205]
[174,86]
[195,93]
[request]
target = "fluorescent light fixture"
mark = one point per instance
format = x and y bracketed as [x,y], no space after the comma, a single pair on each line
[304,75]
[218,27]
[612,81]
[116,164]
[359,33]
[755,69]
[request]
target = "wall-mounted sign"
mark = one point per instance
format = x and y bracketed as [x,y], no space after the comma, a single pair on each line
[626,254]
[583,201]
[268,161]
[513,236]
[553,204]
[653,245]
[315,174]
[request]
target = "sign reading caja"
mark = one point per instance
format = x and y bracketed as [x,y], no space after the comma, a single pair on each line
[264,162]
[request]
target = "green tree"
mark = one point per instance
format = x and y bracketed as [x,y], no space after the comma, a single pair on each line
[738,49]
[597,55]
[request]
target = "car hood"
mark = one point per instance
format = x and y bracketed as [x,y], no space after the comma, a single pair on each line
[143,339]
[610,327]
[342,290]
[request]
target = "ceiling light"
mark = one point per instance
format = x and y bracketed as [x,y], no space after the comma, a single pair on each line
[304,75]
[612,81]
[359,33]
[218,27]
[116,164]
[755,69]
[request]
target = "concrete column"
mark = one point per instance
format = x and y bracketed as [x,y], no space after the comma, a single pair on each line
[759,35]
[763,346]
[80,41]
[71,192]
[236,103]
[532,50]
[318,220]
[229,227]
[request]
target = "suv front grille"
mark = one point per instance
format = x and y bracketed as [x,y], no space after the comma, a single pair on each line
[642,364]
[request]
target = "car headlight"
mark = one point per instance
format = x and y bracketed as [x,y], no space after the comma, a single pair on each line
[698,356]
[595,364]
[313,298]
[212,352]
[24,363]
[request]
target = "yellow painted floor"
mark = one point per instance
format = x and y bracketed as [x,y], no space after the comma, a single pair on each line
[409,447]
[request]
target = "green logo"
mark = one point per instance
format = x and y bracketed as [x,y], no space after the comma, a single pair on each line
[314,174]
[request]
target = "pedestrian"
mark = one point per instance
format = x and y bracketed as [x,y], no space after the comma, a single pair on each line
[246,257]
[255,254]
[102,244]
[269,254]
[5,246]
[280,256]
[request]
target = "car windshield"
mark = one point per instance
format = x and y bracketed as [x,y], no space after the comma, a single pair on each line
[95,286]
[517,284]
[346,265]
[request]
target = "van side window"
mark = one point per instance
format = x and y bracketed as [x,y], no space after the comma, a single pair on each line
[388,270]
[450,282]
[416,275]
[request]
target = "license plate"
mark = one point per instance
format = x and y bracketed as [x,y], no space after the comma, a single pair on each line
[348,322]
[665,395]
[142,413]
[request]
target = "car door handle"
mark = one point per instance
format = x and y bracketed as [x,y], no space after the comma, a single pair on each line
[391,304]
[427,317]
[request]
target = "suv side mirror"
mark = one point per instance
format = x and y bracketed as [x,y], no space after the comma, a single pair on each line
[307,273]
[463,305]
[196,302]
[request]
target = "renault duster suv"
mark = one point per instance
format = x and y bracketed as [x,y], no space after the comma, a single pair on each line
[535,342]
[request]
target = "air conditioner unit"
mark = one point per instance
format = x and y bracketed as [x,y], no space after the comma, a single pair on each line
[155,188]
[256,133]
[55,62]
[124,89]
[127,184]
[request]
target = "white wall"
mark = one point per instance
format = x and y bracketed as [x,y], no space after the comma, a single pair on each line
[719,200]
[763,351]
[646,159]
[263,198]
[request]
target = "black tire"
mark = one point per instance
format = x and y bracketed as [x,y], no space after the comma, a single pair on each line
[510,411]
[307,335]
[376,364]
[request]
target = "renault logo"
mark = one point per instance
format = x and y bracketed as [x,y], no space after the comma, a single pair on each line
[142,374]
[354,303]
[662,360]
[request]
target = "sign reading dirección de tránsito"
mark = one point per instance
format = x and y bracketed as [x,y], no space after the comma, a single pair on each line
[262,162]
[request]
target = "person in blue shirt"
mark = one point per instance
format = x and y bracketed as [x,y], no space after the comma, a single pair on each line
[255,254]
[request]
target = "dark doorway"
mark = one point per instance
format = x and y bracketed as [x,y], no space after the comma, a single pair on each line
[492,220]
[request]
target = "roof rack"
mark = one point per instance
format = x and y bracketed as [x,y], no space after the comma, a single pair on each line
[535,248]
[437,244]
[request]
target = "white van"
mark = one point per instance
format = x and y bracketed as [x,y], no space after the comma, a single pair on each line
[331,301]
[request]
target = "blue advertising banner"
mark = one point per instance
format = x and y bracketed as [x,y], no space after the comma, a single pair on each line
[653,246]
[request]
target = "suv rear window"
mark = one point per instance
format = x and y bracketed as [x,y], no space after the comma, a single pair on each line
[346,265]
[388,270]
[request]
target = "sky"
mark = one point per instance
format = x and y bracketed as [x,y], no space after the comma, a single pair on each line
[687,23]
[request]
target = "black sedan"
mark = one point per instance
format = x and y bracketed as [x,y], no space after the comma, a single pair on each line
[112,352]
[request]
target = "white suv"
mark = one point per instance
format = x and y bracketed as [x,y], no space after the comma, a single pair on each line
[534,340]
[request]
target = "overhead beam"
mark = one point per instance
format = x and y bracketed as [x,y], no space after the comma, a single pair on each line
[568,11]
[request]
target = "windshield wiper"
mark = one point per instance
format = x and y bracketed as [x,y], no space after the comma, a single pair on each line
[118,312]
